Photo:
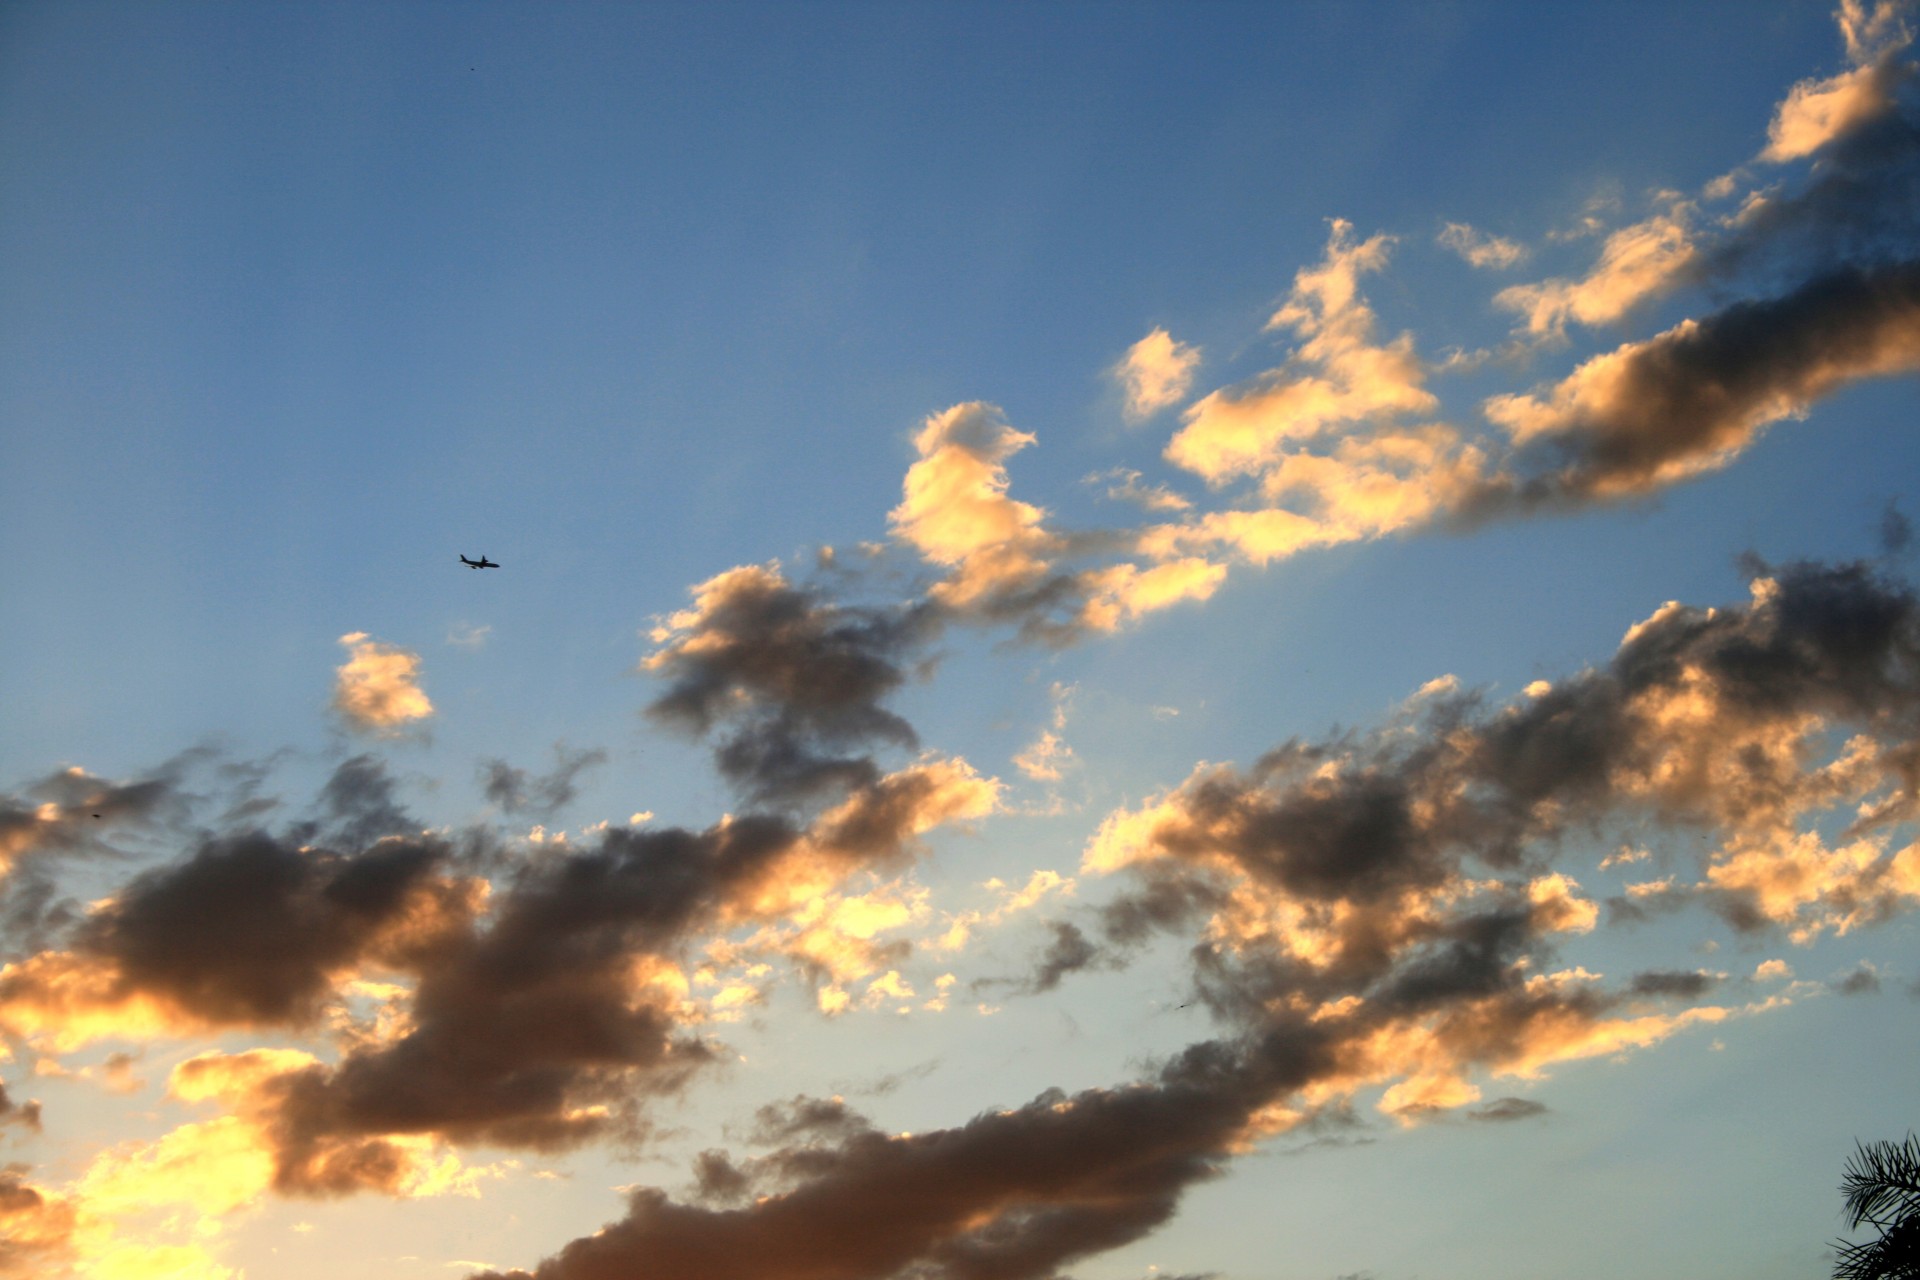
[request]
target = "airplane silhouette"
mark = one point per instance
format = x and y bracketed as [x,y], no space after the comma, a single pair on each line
[481,563]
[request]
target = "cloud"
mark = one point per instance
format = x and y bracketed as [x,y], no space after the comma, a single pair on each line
[1478,248]
[1069,952]
[69,811]
[798,679]
[1395,880]
[1324,436]
[1045,758]
[539,1014]
[1636,263]
[1370,914]
[468,636]
[25,1114]
[36,1228]
[1003,565]
[1340,375]
[1129,489]
[1013,1193]
[1501,1110]
[1021,1192]
[1653,412]
[1895,531]
[956,512]
[377,689]
[1817,112]
[1863,981]
[1679,983]
[248,931]
[517,791]
[1870,32]
[1155,373]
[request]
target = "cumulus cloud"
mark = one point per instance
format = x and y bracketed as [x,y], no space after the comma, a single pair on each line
[1399,884]
[248,931]
[1653,412]
[377,689]
[1002,563]
[1324,436]
[1340,374]
[797,679]
[72,814]
[1372,914]
[1155,373]
[1819,111]
[1377,912]
[538,1010]
[956,512]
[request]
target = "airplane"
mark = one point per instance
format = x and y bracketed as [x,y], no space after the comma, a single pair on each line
[481,563]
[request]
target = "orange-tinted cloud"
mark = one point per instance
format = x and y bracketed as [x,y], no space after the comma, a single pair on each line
[36,1228]
[378,688]
[1817,112]
[1340,376]
[956,512]
[1654,412]
[1636,263]
[1155,373]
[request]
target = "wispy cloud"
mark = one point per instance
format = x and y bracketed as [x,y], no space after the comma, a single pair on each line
[1480,249]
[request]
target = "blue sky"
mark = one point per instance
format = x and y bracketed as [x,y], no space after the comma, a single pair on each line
[297,304]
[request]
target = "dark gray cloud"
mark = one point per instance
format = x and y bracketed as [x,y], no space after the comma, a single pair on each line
[1364,820]
[250,930]
[1683,984]
[1895,531]
[1863,981]
[71,812]
[517,791]
[1361,822]
[1069,952]
[796,681]
[1657,411]
[1012,1194]
[1858,204]
[359,804]
[25,1114]
[528,1031]
[802,1116]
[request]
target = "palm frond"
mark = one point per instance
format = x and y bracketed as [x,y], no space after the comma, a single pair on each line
[1882,1186]
[1882,1182]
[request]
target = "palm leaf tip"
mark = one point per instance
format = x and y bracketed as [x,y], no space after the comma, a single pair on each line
[1881,1182]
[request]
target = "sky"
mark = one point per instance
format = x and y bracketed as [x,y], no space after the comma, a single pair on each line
[1131,642]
